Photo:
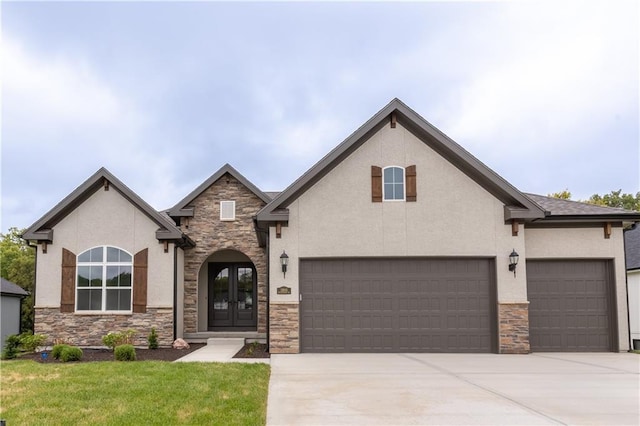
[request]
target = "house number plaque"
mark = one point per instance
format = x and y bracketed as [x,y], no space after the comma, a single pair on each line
[284,290]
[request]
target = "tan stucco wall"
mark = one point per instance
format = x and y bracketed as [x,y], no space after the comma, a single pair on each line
[180,294]
[585,243]
[453,216]
[106,218]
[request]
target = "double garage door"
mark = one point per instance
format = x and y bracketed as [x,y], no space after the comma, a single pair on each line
[397,305]
[448,305]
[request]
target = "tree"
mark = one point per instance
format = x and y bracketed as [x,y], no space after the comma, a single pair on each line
[617,199]
[613,199]
[17,264]
[563,195]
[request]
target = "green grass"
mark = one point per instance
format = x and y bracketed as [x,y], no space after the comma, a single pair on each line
[133,393]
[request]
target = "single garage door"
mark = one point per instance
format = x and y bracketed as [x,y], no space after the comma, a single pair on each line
[397,305]
[571,305]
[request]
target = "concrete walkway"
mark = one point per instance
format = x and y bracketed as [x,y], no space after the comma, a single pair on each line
[424,389]
[220,350]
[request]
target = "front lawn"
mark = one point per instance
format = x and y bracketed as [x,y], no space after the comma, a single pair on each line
[133,393]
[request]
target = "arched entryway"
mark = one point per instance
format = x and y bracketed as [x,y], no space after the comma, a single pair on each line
[227,293]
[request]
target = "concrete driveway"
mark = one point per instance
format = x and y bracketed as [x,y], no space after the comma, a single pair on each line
[421,389]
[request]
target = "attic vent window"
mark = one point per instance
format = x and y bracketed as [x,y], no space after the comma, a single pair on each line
[227,210]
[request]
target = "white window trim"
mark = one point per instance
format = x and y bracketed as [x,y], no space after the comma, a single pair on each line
[404,184]
[233,205]
[104,288]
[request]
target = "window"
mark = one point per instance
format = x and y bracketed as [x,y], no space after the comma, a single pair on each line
[393,183]
[104,280]
[227,210]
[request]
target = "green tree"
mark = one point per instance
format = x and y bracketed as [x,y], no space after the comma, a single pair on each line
[563,195]
[17,264]
[617,199]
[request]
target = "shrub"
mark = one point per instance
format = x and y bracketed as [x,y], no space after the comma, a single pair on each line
[125,353]
[70,353]
[29,342]
[111,340]
[153,339]
[11,345]
[56,351]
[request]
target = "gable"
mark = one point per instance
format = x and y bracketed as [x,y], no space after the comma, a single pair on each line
[517,205]
[102,180]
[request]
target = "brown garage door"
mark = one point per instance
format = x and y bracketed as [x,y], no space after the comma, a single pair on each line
[571,305]
[397,305]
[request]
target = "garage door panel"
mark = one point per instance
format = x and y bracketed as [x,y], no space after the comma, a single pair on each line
[571,305]
[398,305]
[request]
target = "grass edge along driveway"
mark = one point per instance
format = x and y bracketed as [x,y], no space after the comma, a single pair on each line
[141,392]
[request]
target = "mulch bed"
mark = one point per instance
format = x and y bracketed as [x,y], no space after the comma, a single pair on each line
[90,355]
[250,350]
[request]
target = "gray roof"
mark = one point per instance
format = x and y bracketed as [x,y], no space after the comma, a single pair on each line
[272,194]
[558,208]
[11,289]
[632,247]
[518,206]
[182,209]
[42,230]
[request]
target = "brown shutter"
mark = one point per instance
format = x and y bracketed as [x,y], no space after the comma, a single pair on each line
[410,177]
[140,282]
[68,284]
[376,184]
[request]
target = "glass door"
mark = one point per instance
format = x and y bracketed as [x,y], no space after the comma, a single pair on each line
[232,296]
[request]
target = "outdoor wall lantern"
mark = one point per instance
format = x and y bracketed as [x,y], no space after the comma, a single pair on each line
[284,261]
[513,261]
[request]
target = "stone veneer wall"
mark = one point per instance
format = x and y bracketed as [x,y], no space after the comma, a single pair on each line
[211,235]
[88,329]
[513,328]
[284,334]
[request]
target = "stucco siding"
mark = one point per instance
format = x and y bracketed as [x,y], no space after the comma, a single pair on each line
[453,216]
[106,218]
[585,243]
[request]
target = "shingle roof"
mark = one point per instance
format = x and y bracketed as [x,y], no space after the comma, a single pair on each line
[11,289]
[632,248]
[559,207]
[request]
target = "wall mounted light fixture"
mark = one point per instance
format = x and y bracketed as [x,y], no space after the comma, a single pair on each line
[284,261]
[513,261]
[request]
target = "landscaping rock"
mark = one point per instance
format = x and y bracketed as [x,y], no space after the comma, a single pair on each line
[180,344]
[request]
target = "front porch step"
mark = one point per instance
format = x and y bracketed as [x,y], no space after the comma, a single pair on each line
[204,336]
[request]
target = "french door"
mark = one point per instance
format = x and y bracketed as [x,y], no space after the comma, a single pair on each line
[232,296]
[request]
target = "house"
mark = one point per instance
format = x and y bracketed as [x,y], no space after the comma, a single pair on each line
[398,240]
[632,251]
[11,296]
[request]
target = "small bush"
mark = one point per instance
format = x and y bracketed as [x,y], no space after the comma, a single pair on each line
[29,342]
[11,345]
[70,353]
[56,351]
[111,340]
[153,339]
[125,353]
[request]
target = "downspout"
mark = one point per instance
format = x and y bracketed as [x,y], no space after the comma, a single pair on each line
[268,294]
[175,291]
[35,280]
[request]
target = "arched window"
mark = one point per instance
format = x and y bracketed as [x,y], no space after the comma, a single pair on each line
[104,280]
[393,183]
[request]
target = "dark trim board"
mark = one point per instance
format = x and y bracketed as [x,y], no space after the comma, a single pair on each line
[413,304]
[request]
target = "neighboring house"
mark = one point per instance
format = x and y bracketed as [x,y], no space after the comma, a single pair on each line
[398,240]
[632,250]
[11,295]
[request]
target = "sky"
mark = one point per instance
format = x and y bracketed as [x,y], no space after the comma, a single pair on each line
[163,94]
